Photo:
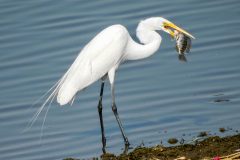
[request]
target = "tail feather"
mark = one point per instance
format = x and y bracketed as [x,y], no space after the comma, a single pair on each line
[79,77]
[65,88]
[50,98]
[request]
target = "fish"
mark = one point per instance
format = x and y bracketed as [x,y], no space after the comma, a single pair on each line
[183,43]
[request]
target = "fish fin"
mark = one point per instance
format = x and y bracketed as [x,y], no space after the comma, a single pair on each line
[182,58]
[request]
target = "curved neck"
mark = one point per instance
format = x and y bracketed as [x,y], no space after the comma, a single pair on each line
[150,40]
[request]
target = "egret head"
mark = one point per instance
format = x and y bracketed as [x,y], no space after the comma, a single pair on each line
[160,23]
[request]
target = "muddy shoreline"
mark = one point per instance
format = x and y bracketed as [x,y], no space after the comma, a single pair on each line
[208,148]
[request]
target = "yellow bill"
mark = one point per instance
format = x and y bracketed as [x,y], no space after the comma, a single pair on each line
[169,25]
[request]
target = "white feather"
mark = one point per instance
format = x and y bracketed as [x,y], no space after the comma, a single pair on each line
[93,62]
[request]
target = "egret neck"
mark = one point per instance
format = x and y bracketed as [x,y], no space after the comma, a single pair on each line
[149,38]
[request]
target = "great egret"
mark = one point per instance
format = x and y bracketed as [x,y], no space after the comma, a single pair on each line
[101,57]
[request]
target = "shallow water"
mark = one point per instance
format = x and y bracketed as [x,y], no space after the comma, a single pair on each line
[158,98]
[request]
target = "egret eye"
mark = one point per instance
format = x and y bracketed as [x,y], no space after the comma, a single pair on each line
[166,27]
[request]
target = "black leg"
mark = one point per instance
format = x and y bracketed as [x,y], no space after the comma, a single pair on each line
[101,118]
[111,76]
[125,151]
[114,109]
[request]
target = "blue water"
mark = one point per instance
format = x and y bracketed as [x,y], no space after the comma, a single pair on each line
[157,98]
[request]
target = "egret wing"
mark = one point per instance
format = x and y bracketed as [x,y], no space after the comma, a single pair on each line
[102,53]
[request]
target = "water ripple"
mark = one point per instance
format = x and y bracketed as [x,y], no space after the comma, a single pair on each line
[157,98]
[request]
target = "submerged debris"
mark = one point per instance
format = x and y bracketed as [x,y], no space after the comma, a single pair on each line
[221,100]
[172,140]
[203,134]
[222,130]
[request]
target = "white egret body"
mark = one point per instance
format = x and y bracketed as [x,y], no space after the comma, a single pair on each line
[103,55]
[100,56]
